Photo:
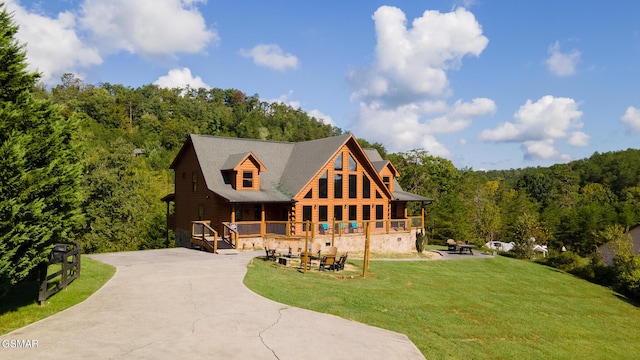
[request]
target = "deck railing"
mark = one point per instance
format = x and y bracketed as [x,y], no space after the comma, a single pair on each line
[204,236]
[335,228]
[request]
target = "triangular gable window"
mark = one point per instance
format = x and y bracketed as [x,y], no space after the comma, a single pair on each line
[309,194]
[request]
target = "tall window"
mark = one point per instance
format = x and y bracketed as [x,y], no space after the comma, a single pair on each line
[353,212]
[306,215]
[337,212]
[247,179]
[366,187]
[379,215]
[337,165]
[194,181]
[322,213]
[366,212]
[322,186]
[353,186]
[337,186]
[352,163]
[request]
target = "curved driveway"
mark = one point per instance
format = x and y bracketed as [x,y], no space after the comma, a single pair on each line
[185,304]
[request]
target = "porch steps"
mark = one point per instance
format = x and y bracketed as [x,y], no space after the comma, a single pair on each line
[227,252]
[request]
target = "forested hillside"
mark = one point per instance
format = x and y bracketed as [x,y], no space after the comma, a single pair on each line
[563,205]
[122,208]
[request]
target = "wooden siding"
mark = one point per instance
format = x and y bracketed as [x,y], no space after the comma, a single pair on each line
[188,201]
[248,165]
[315,202]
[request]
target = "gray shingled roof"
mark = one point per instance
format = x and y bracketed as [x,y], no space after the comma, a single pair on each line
[290,166]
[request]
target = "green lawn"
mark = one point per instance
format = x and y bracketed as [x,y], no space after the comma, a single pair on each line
[497,308]
[19,307]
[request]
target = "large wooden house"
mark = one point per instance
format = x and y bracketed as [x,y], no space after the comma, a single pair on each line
[254,189]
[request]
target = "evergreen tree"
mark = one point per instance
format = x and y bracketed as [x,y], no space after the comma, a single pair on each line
[39,168]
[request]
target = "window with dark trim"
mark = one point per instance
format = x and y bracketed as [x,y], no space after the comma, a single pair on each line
[337,165]
[306,215]
[337,212]
[353,209]
[337,186]
[366,187]
[378,196]
[247,179]
[366,212]
[353,186]
[387,182]
[322,213]
[322,185]
[194,181]
[379,215]
[309,194]
[352,163]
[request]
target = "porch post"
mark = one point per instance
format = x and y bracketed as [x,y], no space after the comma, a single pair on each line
[263,228]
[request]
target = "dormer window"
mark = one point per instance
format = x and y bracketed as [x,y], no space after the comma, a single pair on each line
[247,179]
[387,182]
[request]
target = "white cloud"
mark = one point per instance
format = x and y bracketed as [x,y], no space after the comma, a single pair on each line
[412,62]
[151,28]
[271,56]
[181,78]
[402,93]
[543,149]
[578,138]
[414,125]
[562,64]
[53,47]
[77,39]
[631,117]
[538,124]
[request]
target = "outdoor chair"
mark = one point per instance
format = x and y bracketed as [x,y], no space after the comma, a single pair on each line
[294,250]
[272,251]
[328,262]
[305,260]
[339,264]
[315,250]
[324,228]
[353,226]
[451,245]
[332,251]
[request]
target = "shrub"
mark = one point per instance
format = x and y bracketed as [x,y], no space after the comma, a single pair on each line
[421,240]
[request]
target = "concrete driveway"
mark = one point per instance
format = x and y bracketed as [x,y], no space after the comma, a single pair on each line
[185,304]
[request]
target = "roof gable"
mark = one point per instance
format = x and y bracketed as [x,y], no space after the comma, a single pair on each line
[234,161]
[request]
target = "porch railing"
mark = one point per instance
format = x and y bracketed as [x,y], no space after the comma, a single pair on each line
[338,228]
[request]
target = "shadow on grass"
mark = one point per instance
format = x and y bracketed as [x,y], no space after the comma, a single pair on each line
[23,294]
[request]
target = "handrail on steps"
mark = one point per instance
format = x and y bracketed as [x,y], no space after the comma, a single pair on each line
[202,233]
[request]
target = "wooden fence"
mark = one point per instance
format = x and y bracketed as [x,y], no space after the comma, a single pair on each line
[66,254]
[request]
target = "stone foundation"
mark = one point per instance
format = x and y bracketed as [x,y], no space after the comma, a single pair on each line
[404,242]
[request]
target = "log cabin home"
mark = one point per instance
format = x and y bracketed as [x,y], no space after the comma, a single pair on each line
[244,191]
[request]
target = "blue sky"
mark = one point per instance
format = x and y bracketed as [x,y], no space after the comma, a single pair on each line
[488,84]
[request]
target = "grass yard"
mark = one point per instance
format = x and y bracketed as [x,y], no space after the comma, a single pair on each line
[20,307]
[497,308]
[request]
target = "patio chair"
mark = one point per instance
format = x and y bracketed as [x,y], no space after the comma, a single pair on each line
[315,250]
[294,250]
[324,228]
[353,226]
[327,262]
[305,260]
[272,251]
[339,264]
[451,245]
[332,251]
